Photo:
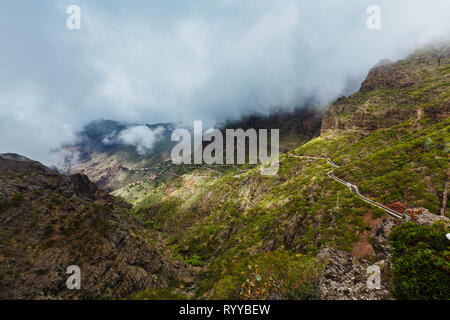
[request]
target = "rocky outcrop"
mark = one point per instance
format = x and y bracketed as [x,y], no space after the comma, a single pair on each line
[380,242]
[20,164]
[343,115]
[429,219]
[105,170]
[50,221]
[394,92]
[386,74]
[345,277]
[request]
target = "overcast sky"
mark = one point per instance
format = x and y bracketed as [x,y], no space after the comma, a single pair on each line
[166,60]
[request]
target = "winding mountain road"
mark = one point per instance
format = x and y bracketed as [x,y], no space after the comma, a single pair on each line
[353,188]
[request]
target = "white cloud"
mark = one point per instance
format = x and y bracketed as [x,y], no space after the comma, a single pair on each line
[141,137]
[152,61]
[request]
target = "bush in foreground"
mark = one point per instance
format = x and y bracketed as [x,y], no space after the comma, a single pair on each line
[421,261]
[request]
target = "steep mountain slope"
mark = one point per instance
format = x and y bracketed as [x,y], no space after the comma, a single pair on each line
[50,221]
[296,127]
[407,161]
[394,92]
[390,138]
[112,164]
[229,232]
[108,161]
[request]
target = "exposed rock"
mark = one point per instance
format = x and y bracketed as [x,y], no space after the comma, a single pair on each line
[429,219]
[439,113]
[394,92]
[50,221]
[101,156]
[380,240]
[345,277]
[105,170]
[386,74]
[360,119]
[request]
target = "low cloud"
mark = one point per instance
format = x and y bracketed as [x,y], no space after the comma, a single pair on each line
[162,61]
[141,137]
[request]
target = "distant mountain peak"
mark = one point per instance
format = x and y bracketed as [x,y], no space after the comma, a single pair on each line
[14,156]
[394,92]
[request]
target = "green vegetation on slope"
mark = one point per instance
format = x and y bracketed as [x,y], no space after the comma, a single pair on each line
[224,223]
[421,261]
[394,92]
[407,162]
[273,275]
[232,218]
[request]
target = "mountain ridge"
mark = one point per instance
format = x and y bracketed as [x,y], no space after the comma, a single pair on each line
[393,92]
[207,232]
[50,221]
[390,142]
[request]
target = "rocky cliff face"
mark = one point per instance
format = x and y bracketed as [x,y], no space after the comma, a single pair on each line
[50,221]
[394,92]
[345,276]
[386,74]
[296,127]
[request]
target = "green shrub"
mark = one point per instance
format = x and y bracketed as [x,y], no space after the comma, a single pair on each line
[421,261]
[196,261]
[152,225]
[276,275]
[157,294]
[377,213]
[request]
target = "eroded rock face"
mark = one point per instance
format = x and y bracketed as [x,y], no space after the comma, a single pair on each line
[345,277]
[360,118]
[380,240]
[429,219]
[394,92]
[50,221]
[386,74]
